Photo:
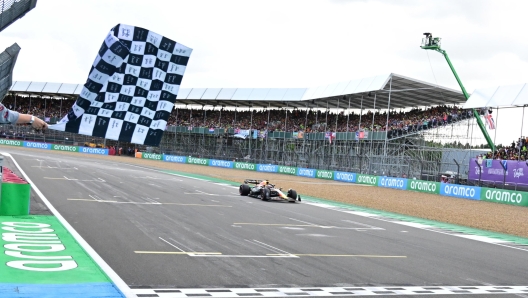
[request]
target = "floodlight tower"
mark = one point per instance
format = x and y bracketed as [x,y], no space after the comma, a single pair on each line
[433,43]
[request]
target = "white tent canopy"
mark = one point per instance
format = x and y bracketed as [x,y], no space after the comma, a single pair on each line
[381,92]
[501,96]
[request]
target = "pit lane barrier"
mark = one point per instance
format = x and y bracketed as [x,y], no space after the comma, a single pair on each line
[517,198]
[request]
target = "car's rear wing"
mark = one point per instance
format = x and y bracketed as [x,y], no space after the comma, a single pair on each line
[252,181]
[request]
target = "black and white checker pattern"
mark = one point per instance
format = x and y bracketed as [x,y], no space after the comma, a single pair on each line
[330,291]
[131,89]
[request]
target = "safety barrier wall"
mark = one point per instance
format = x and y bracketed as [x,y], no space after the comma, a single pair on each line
[503,196]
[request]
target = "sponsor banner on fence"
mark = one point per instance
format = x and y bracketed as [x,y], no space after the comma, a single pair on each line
[391,182]
[37,145]
[11,142]
[423,186]
[267,168]
[198,161]
[221,163]
[153,156]
[345,176]
[492,170]
[174,158]
[245,166]
[460,191]
[65,148]
[306,172]
[367,179]
[324,174]
[518,198]
[90,150]
[287,170]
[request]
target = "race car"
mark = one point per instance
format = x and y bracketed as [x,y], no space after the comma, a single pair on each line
[266,191]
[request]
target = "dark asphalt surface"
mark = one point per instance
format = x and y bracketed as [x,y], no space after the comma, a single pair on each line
[155,229]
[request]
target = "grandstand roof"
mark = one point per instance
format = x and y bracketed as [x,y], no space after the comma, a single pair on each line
[368,93]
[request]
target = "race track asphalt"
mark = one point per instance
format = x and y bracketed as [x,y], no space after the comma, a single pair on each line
[160,230]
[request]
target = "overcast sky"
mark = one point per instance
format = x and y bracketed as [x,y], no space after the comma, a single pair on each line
[289,43]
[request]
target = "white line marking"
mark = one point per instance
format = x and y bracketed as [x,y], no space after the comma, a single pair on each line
[120,284]
[171,244]
[362,224]
[416,225]
[96,198]
[241,256]
[272,248]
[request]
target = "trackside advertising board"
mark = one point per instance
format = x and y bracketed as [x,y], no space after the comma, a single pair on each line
[423,186]
[460,191]
[174,158]
[287,170]
[90,150]
[345,176]
[245,166]
[391,182]
[304,172]
[11,142]
[198,161]
[504,196]
[324,174]
[36,145]
[269,168]
[367,179]
[65,148]
[221,163]
[516,198]
[153,156]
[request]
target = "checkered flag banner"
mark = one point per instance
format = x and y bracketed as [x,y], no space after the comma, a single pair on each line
[131,88]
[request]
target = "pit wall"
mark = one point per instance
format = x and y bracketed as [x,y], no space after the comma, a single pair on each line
[517,198]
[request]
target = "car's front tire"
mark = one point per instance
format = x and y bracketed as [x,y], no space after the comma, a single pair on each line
[244,190]
[292,194]
[265,194]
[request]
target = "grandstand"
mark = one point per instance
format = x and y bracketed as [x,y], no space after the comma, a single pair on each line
[12,10]
[385,125]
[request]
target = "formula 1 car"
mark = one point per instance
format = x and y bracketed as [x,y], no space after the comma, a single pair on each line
[266,191]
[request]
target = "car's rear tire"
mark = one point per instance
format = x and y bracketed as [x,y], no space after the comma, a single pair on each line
[244,190]
[265,194]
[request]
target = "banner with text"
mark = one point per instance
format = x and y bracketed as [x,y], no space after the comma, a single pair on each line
[245,166]
[504,196]
[391,182]
[460,191]
[367,179]
[198,161]
[345,176]
[492,170]
[221,163]
[324,174]
[423,186]
[175,158]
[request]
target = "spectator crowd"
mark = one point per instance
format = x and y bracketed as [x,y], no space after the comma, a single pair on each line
[312,120]
[517,150]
